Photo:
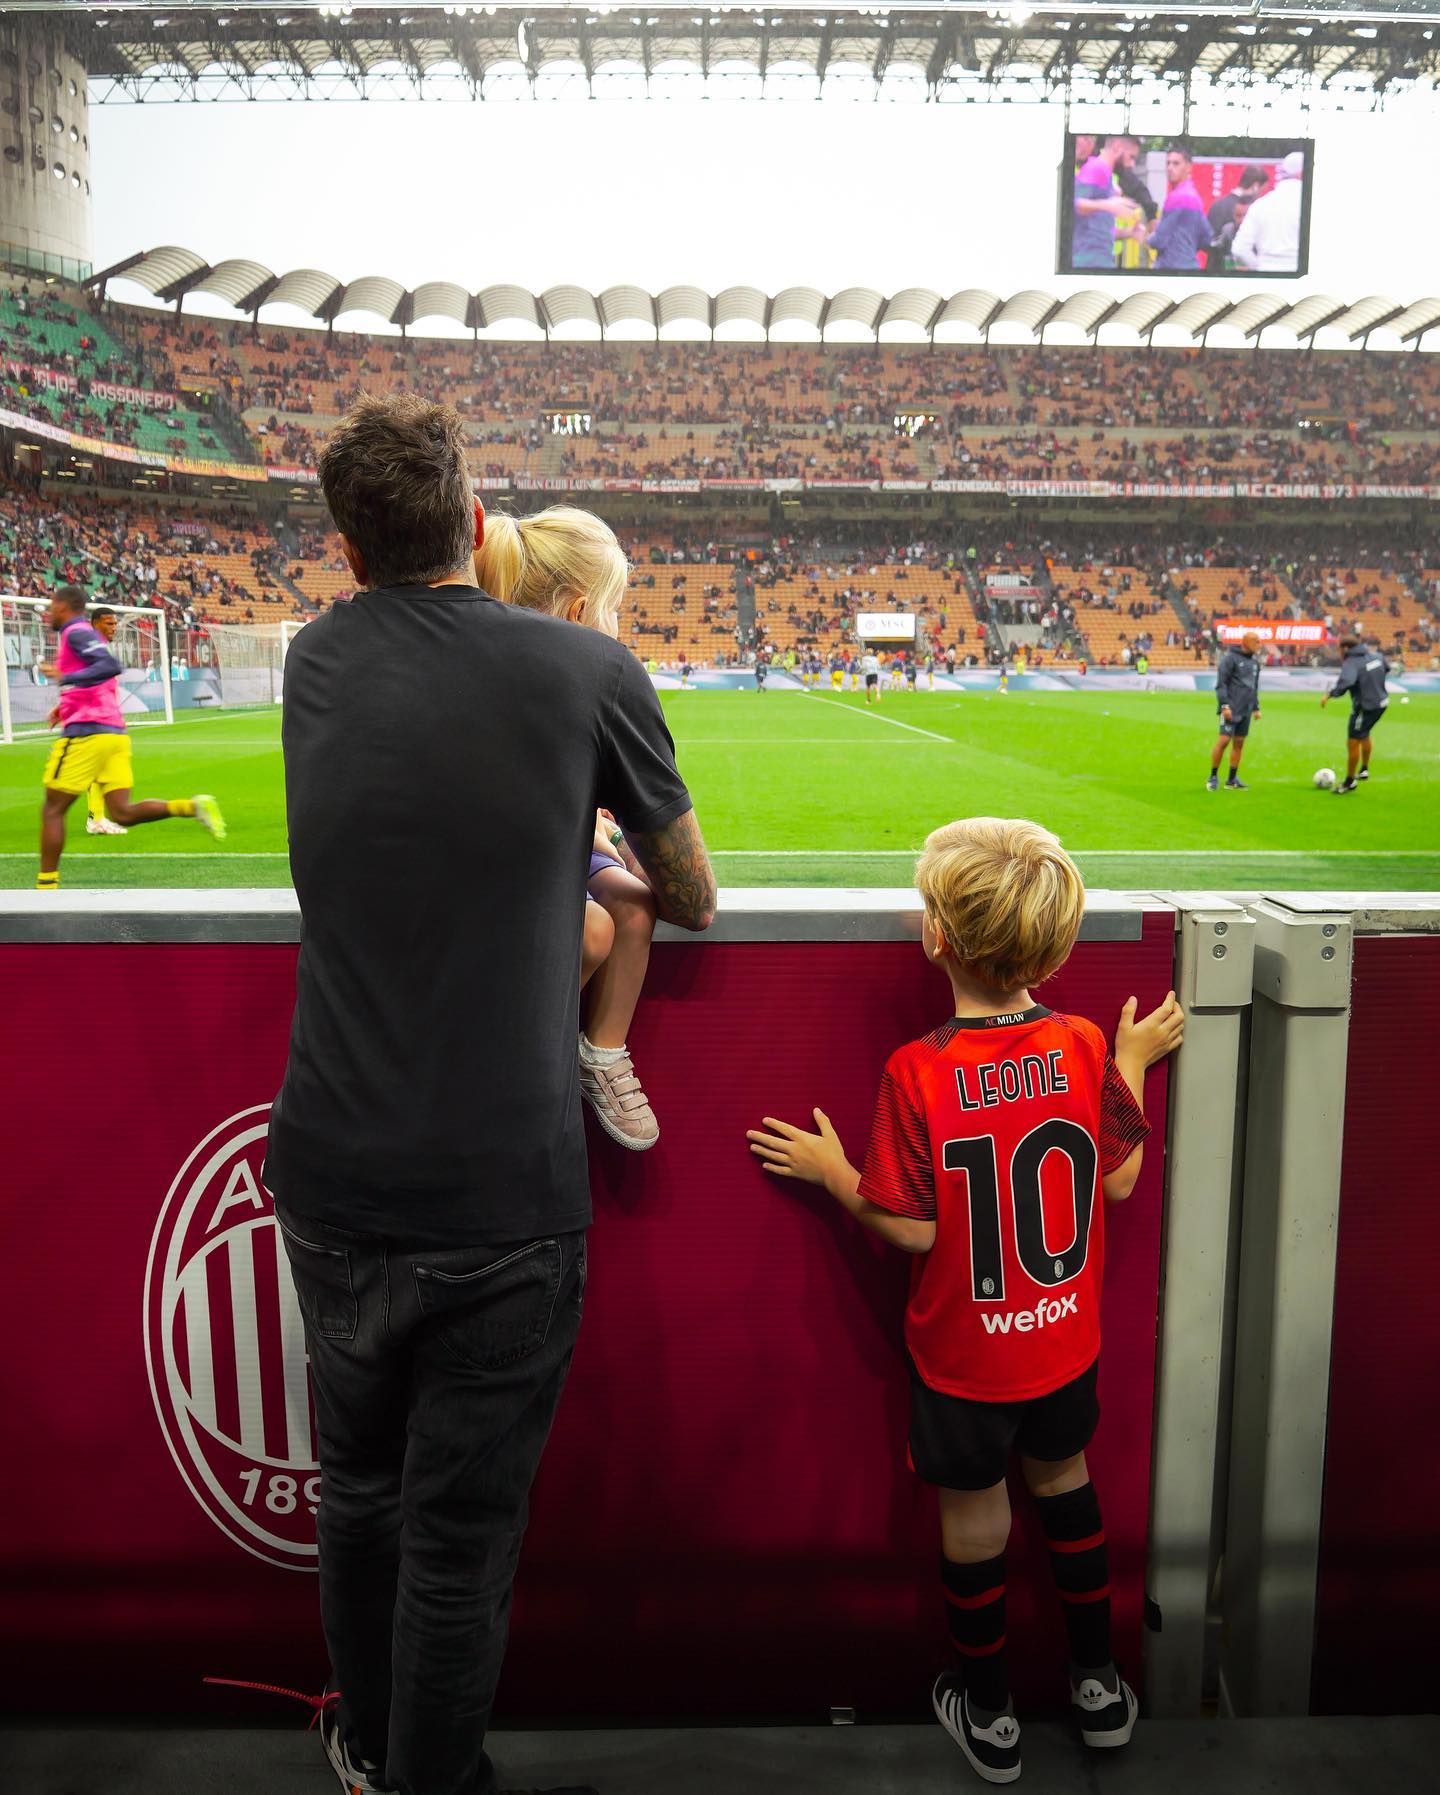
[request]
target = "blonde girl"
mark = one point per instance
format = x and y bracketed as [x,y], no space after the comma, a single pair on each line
[567,562]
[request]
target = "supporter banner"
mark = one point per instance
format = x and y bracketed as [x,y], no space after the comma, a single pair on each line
[967,486]
[1009,582]
[1231,629]
[127,452]
[904,485]
[674,485]
[143,396]
[51,378]
[306,476]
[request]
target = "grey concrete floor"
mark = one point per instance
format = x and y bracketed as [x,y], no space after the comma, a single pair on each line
[1242,1757]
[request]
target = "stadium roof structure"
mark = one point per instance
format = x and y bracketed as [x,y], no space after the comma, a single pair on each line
[171,274]
[930,49]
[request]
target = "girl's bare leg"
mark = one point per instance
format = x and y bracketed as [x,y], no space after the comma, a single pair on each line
[630,905]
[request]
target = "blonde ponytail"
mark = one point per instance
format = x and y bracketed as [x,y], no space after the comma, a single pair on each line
[500,558]
[549,561]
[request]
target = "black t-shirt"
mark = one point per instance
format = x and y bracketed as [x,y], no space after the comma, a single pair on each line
[444,758]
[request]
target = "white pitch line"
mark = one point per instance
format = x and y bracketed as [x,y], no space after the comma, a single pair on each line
[870,711]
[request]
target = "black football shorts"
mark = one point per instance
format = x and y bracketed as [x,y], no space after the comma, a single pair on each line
[964,1445]
[1235,726]
[1362,722]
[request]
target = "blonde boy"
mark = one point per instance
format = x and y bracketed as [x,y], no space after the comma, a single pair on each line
[995,1137]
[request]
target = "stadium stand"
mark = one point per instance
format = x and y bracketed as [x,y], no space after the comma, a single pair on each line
[731,417]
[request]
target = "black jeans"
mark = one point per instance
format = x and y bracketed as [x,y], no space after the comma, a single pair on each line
[436,1374]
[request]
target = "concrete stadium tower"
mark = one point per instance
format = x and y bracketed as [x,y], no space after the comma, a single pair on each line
[44,147]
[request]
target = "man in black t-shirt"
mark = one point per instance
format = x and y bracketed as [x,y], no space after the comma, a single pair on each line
[426,1149]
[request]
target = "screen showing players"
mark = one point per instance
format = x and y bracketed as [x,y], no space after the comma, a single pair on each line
[1176,205]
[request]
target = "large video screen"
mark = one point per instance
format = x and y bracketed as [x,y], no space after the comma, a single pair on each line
[1235,206]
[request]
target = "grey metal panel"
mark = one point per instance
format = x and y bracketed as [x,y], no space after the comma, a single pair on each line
[747,304]
[500,302]
[975,306]
[1284,1305]
[374,293]
[745,914]
[569,305]
[912,305]
[855,305]
[232,280]
[1029,309]
[1213,978]
[688,304]
[797,305]
[441,299]
[1197,313]
[620,305]
[160,267]
[307,288]
[1371,912]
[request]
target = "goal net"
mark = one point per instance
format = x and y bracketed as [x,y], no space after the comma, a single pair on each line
[141,643]
[245,663]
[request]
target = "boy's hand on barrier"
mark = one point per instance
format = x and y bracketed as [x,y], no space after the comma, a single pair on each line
[790,1152]
[1144,1042]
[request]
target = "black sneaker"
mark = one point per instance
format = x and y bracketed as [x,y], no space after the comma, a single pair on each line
[1106,1706]
[1236,785]
[1212,784]
[1346,785]
[994,1750]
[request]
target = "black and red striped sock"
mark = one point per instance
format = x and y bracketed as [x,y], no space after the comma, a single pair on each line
[975,1611]
[1076,1538]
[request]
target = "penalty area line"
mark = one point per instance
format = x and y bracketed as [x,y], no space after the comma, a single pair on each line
[895,723]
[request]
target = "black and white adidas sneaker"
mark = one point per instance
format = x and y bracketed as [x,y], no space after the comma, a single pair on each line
[1106,1706]
[993,1750]
[358,1776]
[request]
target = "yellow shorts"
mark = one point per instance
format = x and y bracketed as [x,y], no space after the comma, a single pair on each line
[79,761]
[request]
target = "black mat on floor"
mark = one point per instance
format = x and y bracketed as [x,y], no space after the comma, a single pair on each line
[1244,1757]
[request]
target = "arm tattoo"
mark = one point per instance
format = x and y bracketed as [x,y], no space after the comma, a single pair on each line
[678,868]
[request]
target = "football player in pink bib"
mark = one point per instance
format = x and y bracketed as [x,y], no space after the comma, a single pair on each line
[94,748]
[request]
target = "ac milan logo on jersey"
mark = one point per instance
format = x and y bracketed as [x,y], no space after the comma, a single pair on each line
[225,1349]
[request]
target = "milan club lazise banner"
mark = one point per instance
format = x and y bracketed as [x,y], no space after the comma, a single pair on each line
[724,1523]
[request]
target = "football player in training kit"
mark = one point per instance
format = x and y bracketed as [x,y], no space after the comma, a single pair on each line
[97,823]
[1004,1130]
[94,748]
[1362,675]
[1237,695]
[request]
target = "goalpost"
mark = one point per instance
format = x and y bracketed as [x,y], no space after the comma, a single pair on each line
[141,644]
[245,661]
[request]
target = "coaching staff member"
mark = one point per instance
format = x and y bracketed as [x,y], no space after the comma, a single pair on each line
[1237,697]
[444,758]
[1362,675]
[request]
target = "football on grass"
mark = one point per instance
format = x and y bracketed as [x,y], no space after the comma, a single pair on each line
[1325,779]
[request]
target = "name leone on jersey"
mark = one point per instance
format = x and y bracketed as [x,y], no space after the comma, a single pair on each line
[1005,1081]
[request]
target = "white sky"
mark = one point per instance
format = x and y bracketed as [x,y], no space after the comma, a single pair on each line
[710,192]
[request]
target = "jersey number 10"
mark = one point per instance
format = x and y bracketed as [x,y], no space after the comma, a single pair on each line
[976,1158]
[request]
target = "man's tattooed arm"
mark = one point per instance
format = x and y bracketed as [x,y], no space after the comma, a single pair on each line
[678,868]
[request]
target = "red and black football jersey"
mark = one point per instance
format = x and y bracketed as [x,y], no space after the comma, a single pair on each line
[1000,1128]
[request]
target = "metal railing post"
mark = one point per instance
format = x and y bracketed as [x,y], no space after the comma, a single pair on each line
[1284,1305]
[1213,979]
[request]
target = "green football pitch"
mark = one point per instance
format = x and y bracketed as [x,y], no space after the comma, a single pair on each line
[815,789]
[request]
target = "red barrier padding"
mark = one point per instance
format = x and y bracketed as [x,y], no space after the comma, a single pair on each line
[1379,1586]
[724,1525]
